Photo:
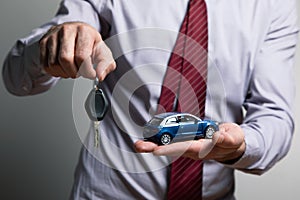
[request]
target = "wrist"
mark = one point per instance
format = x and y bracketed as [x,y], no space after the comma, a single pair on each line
[236,157]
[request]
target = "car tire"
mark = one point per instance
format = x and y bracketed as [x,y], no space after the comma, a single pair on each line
[209,132]
[165,139]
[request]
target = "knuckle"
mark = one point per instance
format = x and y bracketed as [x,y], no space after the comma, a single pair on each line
[98,37]
[65,29]
[47,70]
[51,39]
[42,52]
[52,71]
[65,58]
[42,43]
[110,67]
[83,28]
[142,149]
[51,59]
[80,57]
[73,73]
[73,76]
[56,71]
[193,150]
[51,46]
[89,30]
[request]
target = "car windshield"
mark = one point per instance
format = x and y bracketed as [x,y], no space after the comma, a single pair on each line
[155,121]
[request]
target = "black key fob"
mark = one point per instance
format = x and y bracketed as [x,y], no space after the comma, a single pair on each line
[96,104]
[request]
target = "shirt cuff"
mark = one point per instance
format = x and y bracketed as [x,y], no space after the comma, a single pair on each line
[39,81]
[252,154]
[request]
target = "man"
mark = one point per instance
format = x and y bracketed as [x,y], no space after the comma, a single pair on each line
[251,49]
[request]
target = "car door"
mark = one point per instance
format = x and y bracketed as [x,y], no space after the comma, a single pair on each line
[171,126]
[188,127]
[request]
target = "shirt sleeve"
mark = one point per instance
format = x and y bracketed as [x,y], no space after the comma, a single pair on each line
[269,123]
[22,72]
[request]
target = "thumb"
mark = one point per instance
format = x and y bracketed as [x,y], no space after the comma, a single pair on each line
[86,69]
[103,60]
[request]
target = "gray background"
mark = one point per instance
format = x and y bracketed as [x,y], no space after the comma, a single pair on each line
[39,146]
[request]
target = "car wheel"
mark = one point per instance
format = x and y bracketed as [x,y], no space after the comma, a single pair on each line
[209,132]
[165,139]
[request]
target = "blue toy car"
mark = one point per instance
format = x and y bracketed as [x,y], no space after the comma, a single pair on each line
[169,127]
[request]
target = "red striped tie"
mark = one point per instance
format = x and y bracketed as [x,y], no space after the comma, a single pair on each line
[184,90]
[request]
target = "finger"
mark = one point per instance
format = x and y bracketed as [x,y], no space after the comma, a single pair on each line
[103,59]
[207,149]
[53,66]
[219,153]
[195,149]
[87,70]
[48,51]
[145,147]
[52,50]
[56,71]
[84,44]
[218,136]
[67,36]
[103,68]
[43,52]
[175,149]
[43,46]
[231,136]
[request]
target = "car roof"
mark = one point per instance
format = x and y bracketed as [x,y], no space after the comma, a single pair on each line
[169,114]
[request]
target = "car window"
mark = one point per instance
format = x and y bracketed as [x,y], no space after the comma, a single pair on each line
[155,121]
[187,120]
[172,120]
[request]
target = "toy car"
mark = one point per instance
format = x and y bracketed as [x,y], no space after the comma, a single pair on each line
[169,127]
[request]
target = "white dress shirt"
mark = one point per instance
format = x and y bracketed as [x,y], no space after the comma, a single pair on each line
[251,53]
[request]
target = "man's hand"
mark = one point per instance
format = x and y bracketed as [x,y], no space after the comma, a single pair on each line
[70,50]
[227,144]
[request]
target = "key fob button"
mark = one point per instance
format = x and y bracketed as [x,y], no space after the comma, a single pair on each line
[96,105]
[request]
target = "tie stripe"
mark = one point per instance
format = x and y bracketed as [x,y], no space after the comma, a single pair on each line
[185,82]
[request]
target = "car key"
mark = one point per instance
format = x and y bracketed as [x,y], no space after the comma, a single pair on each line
[96,133]
[96,106]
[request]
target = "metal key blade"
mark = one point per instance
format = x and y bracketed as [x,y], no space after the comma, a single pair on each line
[97,134]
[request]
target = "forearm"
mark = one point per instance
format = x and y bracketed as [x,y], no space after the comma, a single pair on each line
[269,122]
[22,72]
